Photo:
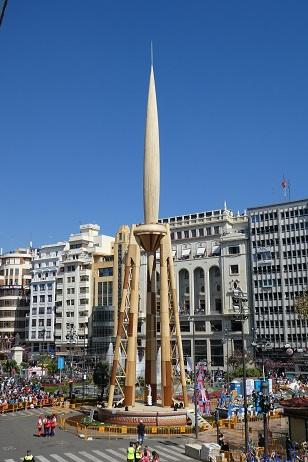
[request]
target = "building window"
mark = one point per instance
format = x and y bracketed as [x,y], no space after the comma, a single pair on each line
[104,272]
[201,232]
[42,298]
[217,353]
[48,324]
[41,310]
[49,310]
[216,326]
[209,231]
[216,229]
[34,299]
[105,293]
[33,334]
[50,298]
[234,269]
[84,278]
[41,322]
[33,323]
[234,250]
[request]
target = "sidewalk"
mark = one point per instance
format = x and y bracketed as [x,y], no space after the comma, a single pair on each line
[235,437]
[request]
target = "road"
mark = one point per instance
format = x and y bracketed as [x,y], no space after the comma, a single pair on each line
[18,434]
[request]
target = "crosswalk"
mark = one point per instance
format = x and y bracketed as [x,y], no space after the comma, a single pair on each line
[35,412]
[167,453]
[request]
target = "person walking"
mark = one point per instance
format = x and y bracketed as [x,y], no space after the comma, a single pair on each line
[130,452]
[39,426]
[155,457]
[53,424]
[28,457]
[146,455]
[138,452]
[140,431]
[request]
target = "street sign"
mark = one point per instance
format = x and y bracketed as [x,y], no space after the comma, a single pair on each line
[60,363]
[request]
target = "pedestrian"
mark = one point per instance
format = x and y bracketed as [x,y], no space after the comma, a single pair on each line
[39,426]
[155,457]
[146,455]
[221,439]
[288,448]
[53,424]
[28,457]
[138,452]
[130,452]
[45,425]
[140,431]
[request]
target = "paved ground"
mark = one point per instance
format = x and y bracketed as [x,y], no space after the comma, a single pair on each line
[17,435]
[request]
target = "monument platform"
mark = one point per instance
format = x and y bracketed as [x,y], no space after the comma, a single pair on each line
[150,415]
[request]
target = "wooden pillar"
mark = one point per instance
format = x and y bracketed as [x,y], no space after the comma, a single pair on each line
[166,366]
[174,301]
[151,327]
[130,367]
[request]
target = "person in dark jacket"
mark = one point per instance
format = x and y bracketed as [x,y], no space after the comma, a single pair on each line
[140,432]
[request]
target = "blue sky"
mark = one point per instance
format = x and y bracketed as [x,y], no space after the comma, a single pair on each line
[232,86]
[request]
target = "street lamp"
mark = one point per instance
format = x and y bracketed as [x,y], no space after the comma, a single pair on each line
[226,339]
[71,337]
[241,313]
[192,319]
[265,407]
[262,344]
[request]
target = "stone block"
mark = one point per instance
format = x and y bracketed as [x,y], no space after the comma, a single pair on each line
[193,450]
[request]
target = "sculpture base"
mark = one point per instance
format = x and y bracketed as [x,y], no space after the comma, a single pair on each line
[154,416]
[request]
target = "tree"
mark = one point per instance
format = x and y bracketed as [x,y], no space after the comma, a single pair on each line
[9,365]
[236,358]
[101,376]
[301,305]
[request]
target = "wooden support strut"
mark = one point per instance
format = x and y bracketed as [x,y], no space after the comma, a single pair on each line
[176,320]
[121,319]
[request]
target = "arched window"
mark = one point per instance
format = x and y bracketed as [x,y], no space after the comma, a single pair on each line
[184,291]
[199,295]
[215,289]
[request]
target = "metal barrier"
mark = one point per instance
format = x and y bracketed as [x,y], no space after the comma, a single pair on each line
[113,430]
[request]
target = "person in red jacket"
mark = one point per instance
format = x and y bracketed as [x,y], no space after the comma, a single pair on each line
[47,426]
[53,424]
[39,426]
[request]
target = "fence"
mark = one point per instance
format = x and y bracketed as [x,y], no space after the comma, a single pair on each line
[98,431]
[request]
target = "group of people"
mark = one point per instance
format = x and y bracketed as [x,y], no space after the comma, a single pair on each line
[137,453]
[14,391]
[46,425]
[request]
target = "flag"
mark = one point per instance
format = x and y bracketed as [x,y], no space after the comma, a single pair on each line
[284,185]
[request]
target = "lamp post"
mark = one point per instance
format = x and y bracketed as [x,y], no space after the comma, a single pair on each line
[227,332]
[71,336]
[84,361]
[241,312]
[265,406]
[192,319]
[262,344]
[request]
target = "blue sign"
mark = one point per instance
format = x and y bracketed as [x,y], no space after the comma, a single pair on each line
[60,362]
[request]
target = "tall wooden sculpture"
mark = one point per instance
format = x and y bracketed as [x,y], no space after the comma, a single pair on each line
[150,236]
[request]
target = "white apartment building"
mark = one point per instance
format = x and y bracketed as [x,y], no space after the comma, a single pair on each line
[74,290]
[15,271]
[279,262]
[45,266]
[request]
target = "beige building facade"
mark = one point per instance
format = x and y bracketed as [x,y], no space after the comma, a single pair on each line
[15,279]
